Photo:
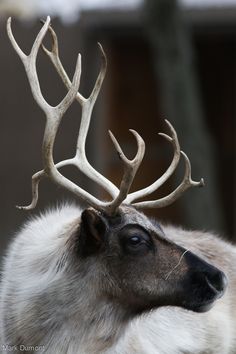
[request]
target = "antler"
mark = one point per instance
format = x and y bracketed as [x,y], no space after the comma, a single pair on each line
[53,119]
[186,183]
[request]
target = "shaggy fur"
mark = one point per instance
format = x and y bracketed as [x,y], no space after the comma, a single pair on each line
[46,307]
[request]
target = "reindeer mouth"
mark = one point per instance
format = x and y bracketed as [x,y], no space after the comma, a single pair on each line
[202,307]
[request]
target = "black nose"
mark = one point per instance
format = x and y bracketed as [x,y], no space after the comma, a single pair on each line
[217,281]
[210,281]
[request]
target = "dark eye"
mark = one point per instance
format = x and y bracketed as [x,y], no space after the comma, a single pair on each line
[134,240]
[136,245]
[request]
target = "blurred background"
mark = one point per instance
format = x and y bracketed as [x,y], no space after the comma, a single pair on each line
[166,59]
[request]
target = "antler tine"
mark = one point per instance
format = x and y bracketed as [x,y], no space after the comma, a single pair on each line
[53,55]
[29,62]
[98,84]
[130,169]
[55,59]
[36,178]
[172,197]
[173,139]
[87,105]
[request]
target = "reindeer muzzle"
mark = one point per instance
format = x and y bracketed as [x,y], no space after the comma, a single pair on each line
[207,283]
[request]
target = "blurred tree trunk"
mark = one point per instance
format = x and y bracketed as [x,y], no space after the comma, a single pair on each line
[174,67]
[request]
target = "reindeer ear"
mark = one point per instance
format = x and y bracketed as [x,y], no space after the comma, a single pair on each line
[92,232]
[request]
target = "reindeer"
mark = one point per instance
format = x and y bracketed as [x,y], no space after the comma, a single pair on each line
[108,279]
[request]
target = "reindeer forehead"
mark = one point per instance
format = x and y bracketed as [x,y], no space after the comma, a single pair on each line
[129,215]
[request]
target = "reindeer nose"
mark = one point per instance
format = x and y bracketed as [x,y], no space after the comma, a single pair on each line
[217,281]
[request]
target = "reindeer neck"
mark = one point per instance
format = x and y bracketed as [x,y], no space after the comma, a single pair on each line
[93,329]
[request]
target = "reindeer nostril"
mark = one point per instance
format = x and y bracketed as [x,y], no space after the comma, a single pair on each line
[217,282]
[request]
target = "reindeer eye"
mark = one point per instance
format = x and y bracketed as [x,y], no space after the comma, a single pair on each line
[134,240]
[136,245]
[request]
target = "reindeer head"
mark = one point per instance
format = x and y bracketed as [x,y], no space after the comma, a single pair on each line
[136,264]
[138,267]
